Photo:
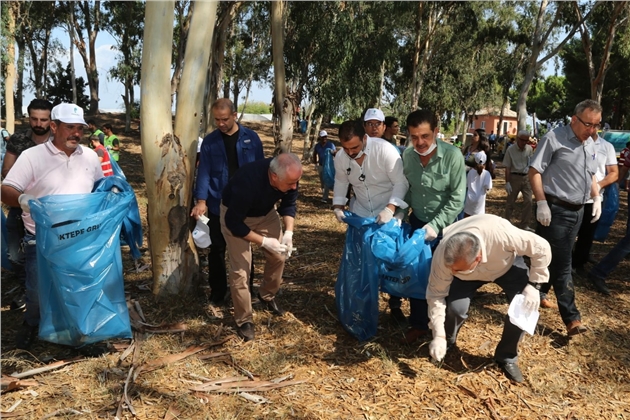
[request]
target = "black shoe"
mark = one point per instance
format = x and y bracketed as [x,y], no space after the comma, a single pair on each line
[25,336]
[18,303]
[599,285]
[398,315]
[217,299]
[246,331]
[580,271]
[512,371]
[271,305]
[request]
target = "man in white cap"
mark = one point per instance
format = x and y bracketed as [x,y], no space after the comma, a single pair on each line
[321,148]
[60,166]
[374,122]
[516,162]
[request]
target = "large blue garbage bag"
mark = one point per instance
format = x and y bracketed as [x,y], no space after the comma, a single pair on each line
[131,233]
[6,263]
[403,260]
[81,291]
[610,206]
[356,290]
[329,169]
[116,167]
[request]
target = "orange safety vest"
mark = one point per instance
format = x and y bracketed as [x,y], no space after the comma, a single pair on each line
[106,165]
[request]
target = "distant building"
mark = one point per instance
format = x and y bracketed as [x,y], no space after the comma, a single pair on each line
[488,119]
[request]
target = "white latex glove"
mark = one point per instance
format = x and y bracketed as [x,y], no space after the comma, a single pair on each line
[437,348]
[287,239]
[23,199]
[508,188]
[532,298]
[597,208]
[543,212]
[430,233]
[384,216]
[273,245]
[339,214]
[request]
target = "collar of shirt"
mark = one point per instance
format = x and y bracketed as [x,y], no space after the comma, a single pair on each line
[53,149]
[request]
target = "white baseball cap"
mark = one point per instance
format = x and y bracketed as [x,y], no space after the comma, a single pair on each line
[323,133]
[374,114]
[68,113]
[480,158]
[201,235]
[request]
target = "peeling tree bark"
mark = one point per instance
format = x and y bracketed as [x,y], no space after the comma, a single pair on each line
[9,77]
[283,105]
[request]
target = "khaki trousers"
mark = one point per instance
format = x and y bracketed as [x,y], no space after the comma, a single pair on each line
[520,183]
[240,254]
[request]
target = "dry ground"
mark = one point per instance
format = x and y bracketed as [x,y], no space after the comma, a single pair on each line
[587,377]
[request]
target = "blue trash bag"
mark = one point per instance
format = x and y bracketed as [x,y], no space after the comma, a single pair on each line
[6,263]
[403,260]
[131,232]
[356,290]
[115,167]
[81,290]
[329,169]
[610,206]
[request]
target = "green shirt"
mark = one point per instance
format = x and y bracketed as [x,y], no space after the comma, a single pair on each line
[109,143]
[436,192]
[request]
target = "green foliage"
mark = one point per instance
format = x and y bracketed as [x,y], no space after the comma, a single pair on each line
[548,99]
[59,86]
[256,107]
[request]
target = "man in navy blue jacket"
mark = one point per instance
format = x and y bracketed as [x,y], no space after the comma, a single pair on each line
[249,215]
[222,153]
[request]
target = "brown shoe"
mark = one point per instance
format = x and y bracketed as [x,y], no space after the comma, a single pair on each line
[575,328]
[547,304]
[413,334]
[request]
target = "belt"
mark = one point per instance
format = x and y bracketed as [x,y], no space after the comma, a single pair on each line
[569,206]
[517,173]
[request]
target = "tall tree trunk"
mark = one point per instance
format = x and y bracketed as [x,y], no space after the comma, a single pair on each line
[73,78]
[19,91]
[416,58]
[249,86]
[169,154]
[308,139]
[88,53]
[9,77]
[382,87]
[283,105]
[181,47]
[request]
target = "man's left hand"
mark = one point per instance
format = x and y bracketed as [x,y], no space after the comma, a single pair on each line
[597,208]
[287,239]
[384,216]
[430,233]
[532,298]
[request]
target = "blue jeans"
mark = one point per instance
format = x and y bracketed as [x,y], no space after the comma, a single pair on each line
[615,255]
[561,234]
[458,302]
[31,315]
[15,234]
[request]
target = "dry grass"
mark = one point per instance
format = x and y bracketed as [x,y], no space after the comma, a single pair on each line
[587,377]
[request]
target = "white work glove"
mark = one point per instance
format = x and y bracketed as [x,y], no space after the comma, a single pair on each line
[23,199]
[437,348]
[429,233]
[339,214]
[272,244]
[543,212]
[508,188]
[287,239]
[597,208]
[384,216]
[532,298]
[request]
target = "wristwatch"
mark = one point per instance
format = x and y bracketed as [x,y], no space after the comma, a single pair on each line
[536,286]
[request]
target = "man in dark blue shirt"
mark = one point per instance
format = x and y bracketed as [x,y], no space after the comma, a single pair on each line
[222,152]
[249,215]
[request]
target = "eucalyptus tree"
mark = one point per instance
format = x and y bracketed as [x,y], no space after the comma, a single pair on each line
[8,62]
[548,99]
[182,15]
[169,152]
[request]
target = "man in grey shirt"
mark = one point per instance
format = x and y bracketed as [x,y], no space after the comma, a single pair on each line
[562,175]
[516,162]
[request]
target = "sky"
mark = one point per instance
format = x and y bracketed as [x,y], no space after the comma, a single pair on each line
[110,91]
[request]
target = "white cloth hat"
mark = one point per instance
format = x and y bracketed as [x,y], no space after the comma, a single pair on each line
[480,158]
[323,133]
[68,113]
[374,114]
[201,235]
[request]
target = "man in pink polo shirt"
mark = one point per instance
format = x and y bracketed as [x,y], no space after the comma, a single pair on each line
[60,166]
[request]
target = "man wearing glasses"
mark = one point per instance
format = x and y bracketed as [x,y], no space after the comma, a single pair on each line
[562,175]
[374,122]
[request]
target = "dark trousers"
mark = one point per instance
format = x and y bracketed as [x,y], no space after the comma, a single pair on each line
[561,234]
[458,303]
[582,248]
[217,275]
[615,255]
[15,236]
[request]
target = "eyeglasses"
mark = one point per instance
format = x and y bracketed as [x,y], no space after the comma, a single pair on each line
[373,124]
[589,125]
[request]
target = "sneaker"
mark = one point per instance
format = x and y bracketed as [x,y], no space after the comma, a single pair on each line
[25,336]
[413,334]
[398,315]
[18,303]
[575,327]
[512,371]
[246,331]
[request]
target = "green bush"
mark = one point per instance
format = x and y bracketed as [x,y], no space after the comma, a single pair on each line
[256,107]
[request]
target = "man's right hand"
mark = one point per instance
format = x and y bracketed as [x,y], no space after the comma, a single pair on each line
[199,209]
[508,188]
[339,214]
[273,245]
[437,348]
[543,213]
[23,199]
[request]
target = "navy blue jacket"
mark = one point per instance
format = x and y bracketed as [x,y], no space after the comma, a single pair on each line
[212,173]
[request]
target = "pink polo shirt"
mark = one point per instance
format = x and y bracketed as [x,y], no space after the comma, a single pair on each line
[45,170]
